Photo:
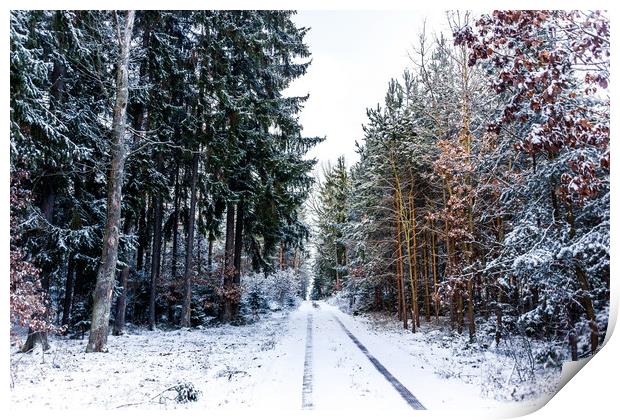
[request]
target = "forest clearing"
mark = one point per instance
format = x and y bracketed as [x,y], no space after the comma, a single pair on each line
[183,234]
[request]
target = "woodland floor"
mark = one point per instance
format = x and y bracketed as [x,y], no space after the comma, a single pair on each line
[279,362]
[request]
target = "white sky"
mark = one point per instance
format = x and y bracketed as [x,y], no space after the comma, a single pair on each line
[354,55]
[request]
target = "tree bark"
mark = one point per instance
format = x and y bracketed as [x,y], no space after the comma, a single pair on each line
[470,308]
[156,255]
[378,298]
[405,223]
[400,266]
[148,248]
[187,281]
[498,323]
[229,252]
[59,73]
[427,297]
[210,253]
[102,295]
[399,275]
[141,238]
[584,287]
[164,245]
[434,265]
[121,302]
[175,224]
[237,258]
[459,310]
[47,208]
[238,242]
[414,262]
[66,309]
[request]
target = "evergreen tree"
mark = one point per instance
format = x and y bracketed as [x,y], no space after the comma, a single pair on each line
[208,133]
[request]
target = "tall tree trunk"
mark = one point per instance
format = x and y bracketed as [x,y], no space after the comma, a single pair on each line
[175,223]
[121,301]
[296,261]
[47,208]
[148,245]
[470,308]
[199,264]
[400,265]
[337,285]
[164,247]
[399,275]
[573,318]
[59,73]
[460,319]
[584,287]
[427,295]
[586,302]
[450,265]
[378,298]
[187,284]
[66,309]
[210,253]
[106,275]
[142,239]
[414,262]
[237,258]
[156,255]
[229,269]
[498,320]
[238,241]
[436,299]
[406,224]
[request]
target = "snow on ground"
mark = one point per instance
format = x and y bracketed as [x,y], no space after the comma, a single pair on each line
[224,363]
[475,377]
[261,366]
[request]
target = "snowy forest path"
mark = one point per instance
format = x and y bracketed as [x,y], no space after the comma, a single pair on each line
[344,376]
[318,365]
[398,386]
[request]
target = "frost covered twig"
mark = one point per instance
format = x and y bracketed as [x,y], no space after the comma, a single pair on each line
[186,392]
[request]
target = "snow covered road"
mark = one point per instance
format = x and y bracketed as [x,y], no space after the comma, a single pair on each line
[331,360]
[337,373]
[344,376]
[315,357]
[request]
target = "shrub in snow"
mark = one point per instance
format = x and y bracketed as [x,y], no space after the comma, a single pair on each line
[198,313]
[342,300]
[285,287]
[255,299]
[550,355]
[80,328]
[80,320]
[357,296]
[274,306]
[186,392]
[269,293]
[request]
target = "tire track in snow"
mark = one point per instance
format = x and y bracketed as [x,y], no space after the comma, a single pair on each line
[399,387]
[306,390]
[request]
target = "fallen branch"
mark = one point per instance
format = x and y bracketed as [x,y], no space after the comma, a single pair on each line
[185,393]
